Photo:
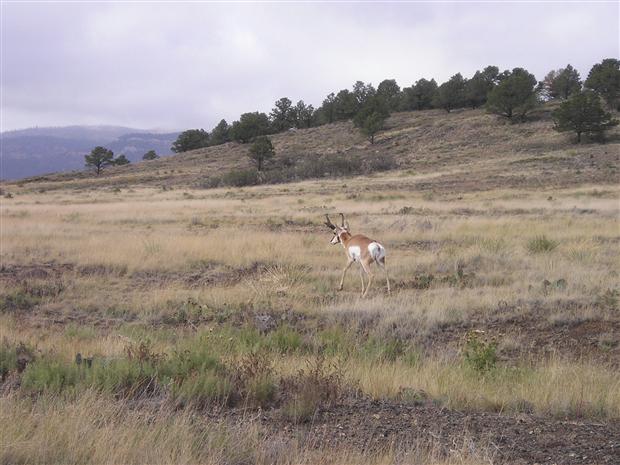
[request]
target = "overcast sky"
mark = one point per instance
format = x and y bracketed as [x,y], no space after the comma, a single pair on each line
[178,66]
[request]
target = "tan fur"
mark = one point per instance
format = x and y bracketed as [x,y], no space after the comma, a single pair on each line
[366,259]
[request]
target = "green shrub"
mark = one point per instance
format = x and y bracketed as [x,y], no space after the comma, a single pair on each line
[122,377]
[240,178]
[203,388]
[480,354]
[319,382]
[197,358]
[18,300]
[541,244]
[8,359]
[335,341]
[14,358]
[252,376]
[261,391]
[73,331]
[390,349]
[51,375]
[609,299]
[285,340]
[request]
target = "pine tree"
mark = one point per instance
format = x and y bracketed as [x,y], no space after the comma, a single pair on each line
[99,158]
[371,118]
[583,114]
[514,95]
[451,94]
[121,160]
[604,79]
[561,83]
[191,139]
[220,133]
[261,151]
[150,155]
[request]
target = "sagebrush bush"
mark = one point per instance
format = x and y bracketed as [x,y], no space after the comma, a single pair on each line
[541,244]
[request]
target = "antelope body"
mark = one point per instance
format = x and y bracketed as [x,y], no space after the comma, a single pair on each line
[359,249]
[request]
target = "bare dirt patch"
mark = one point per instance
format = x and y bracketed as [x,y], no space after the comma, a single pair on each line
[372,426]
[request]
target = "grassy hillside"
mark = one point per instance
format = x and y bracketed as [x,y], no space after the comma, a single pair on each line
[210,329]
[438,151]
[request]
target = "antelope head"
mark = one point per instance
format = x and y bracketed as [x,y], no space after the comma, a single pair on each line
[337,230]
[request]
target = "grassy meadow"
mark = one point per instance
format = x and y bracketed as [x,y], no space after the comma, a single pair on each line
[192,310]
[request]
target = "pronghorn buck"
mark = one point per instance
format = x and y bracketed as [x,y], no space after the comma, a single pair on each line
[359,249]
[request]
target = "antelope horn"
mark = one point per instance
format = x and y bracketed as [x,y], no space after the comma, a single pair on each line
[341,219]
[329,224]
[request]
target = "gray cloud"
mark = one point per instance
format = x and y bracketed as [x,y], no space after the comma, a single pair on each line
[176,66]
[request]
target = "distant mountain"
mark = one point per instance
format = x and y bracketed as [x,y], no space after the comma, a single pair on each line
[35,151]
[92,133]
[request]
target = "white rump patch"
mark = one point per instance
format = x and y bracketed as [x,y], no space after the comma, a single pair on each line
[377,252]
[355,253]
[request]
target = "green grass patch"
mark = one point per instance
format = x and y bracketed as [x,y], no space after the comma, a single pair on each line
[541,244]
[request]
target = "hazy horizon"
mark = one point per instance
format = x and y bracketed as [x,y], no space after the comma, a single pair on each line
[170,67]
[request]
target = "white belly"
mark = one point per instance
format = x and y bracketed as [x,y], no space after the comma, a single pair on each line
[355,253]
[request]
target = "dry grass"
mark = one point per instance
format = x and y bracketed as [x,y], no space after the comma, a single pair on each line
[94,429]
[554,388]
[169,265]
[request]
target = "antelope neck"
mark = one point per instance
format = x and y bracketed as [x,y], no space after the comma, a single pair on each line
[344,238]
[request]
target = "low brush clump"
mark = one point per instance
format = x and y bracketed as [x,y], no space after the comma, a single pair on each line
[311,167]
[317,384]
[541,244]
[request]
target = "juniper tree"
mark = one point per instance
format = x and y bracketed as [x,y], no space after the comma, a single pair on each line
[191,139]
[604,79]
[261,151]
[121,160]
[514,95]
[451,94]
[250,126]
[389,91]
[478,87]
[282,115]
[371,118]
[561,83]
[220,133]
[150,155]
[303,115]
[583,113]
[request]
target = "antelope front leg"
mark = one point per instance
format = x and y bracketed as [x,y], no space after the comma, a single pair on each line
[344,273]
